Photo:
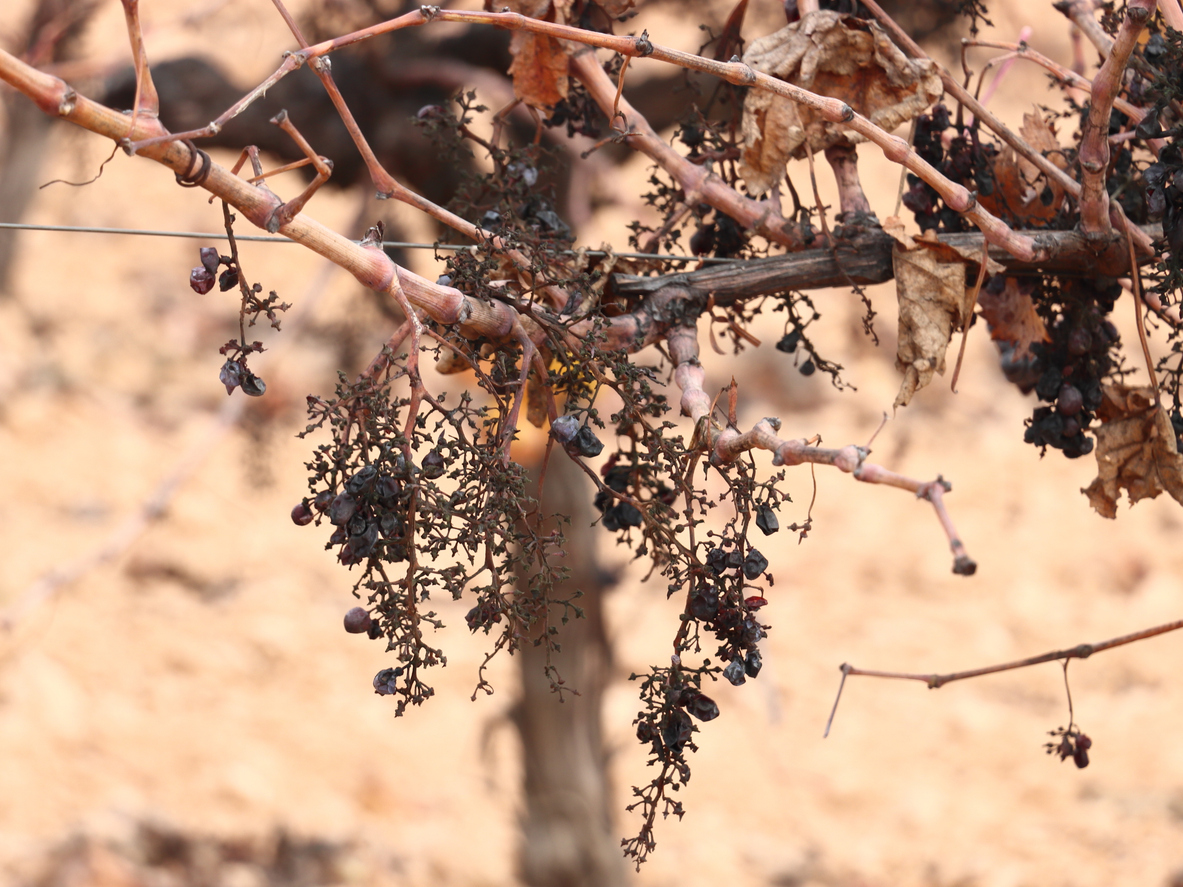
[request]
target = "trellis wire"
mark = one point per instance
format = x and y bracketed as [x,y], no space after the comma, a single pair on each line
[269,238]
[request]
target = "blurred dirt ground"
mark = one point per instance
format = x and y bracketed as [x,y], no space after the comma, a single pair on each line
[195,706]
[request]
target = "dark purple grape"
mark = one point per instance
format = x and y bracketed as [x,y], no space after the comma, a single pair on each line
[1071,427]
[646,731]
[362,481]
[807,368]
[735,672]
[1080,757]
[390,525]
[700,705]
[433,465]
[209,259]
[349,554]
[1080,341]
[339,535]
[357,621]
[387,490]
[789,341]
[363,543]
[704,603]
[1048,386]
[564,428]
[357,525]
[322,500]
[253,385]
[717,560]
[628,515]
[228,279]
[611,520]
[766,520]
[201,280]
[375,631]
[385,681]
[1148,128]
[302,515]
[754,564]
[703,240]
[231,375]
[341,509]
[753,663]
[750,633]
[1070,401]
[585,442]
[676,729]
[617,478]
[398,468]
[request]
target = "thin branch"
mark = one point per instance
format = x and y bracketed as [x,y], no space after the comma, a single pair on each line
[1136,284]
[725,445]
[1081,651]
[1094,142]
[1068,78]
[758,216]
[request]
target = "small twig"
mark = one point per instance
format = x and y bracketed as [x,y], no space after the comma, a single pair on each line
[1068,691]
[1136,281]
[969,315]
[833,711]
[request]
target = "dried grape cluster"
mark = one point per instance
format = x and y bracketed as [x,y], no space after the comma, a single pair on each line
[235,373]
[967,161]
[421,502]
[1072,744]
[1070,368]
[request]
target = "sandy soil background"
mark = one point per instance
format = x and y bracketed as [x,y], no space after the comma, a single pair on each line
[202,679]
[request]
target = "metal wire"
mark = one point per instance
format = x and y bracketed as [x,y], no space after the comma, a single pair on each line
[270,238]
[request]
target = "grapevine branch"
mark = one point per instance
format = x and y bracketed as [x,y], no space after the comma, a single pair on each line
[1094,139]
[725,445]
[936,681]
[1067,77]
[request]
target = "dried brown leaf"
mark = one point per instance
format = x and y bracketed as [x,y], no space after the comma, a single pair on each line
[1012,317]
[1136,451]
[933,296]
[1021,192]
[833,55]
[616,8]
[539,68]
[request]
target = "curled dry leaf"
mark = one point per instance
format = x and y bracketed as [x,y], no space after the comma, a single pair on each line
[1012,317]
[934,297]
[1136,450]
[1022,194]
[539,68]
[616,8]
[834,55]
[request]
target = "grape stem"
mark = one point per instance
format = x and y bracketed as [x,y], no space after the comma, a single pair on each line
[725,445]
